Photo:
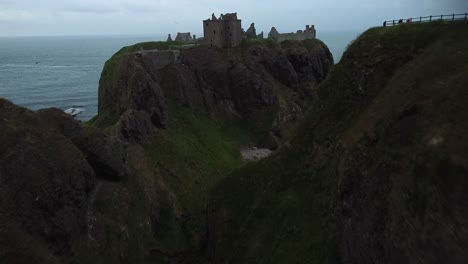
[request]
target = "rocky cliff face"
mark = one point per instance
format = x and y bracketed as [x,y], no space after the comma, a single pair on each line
[376,172]
[49,165]
[267,85]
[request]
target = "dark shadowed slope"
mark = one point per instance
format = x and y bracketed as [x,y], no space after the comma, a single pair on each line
[377,171]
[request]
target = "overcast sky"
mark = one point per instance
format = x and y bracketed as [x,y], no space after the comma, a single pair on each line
[156,17]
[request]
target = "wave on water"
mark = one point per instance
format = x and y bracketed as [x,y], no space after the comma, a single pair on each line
[38,65]
[74,110]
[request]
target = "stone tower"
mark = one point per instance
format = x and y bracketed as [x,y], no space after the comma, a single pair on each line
[222,32]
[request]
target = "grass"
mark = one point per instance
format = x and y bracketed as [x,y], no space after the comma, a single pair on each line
[249,42]
[190,158]
[280,210]
[103,120]
[194,153]
[309,44]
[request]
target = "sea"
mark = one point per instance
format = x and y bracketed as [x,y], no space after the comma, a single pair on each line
[64,72]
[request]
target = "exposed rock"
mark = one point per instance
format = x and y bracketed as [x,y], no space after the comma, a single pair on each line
[135,88]
[106,154]
[48,167]
[135,126]
[255,153]
[45,182]
[210,79]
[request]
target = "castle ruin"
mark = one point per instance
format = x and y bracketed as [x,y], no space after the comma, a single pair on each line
[222,32]
[187,37]
[309,33]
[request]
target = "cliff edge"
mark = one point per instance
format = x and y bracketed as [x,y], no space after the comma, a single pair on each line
[264,83]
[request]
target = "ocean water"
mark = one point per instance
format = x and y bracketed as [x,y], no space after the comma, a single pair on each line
[63,72]
[337,42]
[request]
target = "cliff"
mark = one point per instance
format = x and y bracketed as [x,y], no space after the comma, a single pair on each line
[132,185]
[375,173]
[265,84]
[49,165]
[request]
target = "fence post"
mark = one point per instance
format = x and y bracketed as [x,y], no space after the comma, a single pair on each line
[420,19]
[393,22]
[453,17]
[430,18]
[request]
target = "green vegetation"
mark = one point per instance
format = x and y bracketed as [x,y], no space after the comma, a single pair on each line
[174,173]
[194,154]
[309,44]
[249,42]
[280,210]
[103,121]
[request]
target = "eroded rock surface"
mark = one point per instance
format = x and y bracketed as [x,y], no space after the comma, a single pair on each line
[48,168]
[267,86]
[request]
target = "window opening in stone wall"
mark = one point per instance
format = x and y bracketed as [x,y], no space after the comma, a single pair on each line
[214,31]
[206,24]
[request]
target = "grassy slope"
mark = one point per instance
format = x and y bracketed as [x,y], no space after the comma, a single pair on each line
[172,174]
[181,165]
[280,210]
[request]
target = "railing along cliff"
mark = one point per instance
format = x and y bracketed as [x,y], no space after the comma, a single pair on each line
[450,18]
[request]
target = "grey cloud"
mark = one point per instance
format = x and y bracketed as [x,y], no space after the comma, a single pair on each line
[95,10]
[157,16]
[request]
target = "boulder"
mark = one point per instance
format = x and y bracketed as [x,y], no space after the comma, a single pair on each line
[106,154]
[45,185]
[135,126]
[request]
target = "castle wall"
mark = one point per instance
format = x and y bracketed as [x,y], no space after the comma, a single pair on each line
[212,33]
[232,33]
[159,59]
[300,35]
[223,32]
[294,36]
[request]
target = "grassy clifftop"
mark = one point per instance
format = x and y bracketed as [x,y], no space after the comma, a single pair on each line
[375,171]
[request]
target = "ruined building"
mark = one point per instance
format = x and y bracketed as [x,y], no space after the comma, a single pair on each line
[251,32]
[309,33]
[222,32]
[183,36]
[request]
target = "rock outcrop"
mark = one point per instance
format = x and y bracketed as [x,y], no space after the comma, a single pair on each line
[267,86]
[135,126]
[48,168]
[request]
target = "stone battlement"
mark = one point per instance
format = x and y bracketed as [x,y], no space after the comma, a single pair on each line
[308,33]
